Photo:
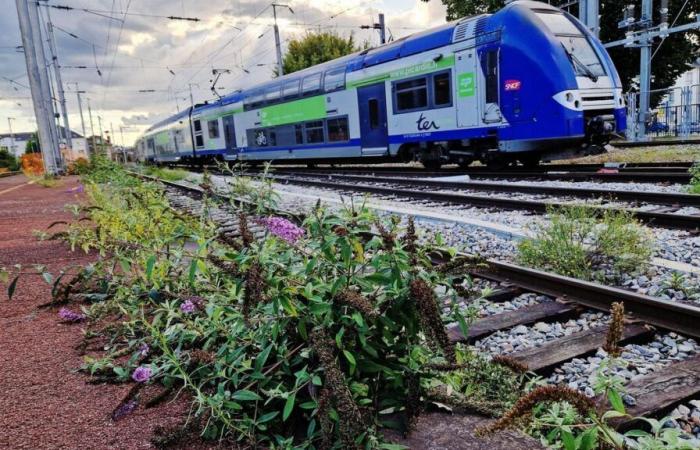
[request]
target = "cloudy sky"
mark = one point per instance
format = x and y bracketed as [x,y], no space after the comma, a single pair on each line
[112,55]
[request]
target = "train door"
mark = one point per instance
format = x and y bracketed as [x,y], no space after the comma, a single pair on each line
[229,135]
[373,121]
[467,76]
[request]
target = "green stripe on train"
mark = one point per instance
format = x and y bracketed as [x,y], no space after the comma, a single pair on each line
[407,72]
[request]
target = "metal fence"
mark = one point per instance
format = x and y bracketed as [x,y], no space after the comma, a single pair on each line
[676,113]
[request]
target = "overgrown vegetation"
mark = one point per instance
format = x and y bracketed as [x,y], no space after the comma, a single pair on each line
[166,174]
[577,241]
[8,161]
[317,336]
[694,186]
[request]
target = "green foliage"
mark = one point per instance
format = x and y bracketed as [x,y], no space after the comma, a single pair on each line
[674,56]
[577,241]
[166,174]
[694,186]
[305,344]
[32,145]
[8,161]
[560,426]
[316,48]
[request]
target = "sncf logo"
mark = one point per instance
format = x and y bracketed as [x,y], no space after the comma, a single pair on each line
[512,85]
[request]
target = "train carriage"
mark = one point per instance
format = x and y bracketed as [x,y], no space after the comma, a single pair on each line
[523,84]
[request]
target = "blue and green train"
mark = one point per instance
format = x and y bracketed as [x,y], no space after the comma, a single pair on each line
[527,83]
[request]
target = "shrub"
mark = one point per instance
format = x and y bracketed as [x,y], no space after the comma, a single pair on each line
[79,166]
[166,174]
[32,164]
[8,161]
[694,186]
[317,335]
[577,241]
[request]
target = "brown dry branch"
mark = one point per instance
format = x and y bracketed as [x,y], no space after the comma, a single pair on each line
[462,264]
[539,395]
[356,300]
[414,406]
[228,267]
[511,363]
[254,288]
[202,357]
[388,238]
[230,241]
[614,334]
[246,236]
[324,406]
[352,423]
[430,318]
[409,241]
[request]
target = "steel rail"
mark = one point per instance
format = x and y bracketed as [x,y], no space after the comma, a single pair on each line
[682,177]
[674,316]
[9,174]
[663,198]
[652,218]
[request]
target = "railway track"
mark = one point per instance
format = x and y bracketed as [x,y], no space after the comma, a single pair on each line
[662,218]
[653,393]
[664,173]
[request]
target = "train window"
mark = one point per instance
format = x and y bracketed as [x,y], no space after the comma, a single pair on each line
[290,89]
[373,106]
[197,126]
[492,76]
[582,55]
[311,84]
[334,79]
[314,132]
[337,129]
[271,137]
[411,95]
[213,127]
[199,141]
[299,133]
[442,89]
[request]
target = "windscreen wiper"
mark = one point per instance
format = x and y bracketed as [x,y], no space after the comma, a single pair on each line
[587,71]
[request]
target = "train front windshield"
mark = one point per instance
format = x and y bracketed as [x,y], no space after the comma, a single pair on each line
[584,59]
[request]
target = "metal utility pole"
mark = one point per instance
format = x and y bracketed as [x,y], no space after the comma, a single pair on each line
[278,44]
[92,128]
[379,26]
[80,107]
[12,135]
[44,83]
[112,137]
[588,14]
[191,97]
[59,82]
[102,138]
[43,110]
[640,34]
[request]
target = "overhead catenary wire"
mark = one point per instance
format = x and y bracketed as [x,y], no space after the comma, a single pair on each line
[105,13]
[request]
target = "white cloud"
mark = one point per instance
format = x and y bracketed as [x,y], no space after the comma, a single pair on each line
[151,49]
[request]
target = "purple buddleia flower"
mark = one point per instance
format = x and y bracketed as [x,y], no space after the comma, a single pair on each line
[197,301]
[124,410]
[283,228]
[188,307]
[70,316]
[144,349]
[142,374]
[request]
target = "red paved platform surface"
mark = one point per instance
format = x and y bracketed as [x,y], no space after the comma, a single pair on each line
[44,404]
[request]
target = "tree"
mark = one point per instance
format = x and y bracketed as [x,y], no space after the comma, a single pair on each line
[316,48]
[32,145]
[673,57]
[8,160]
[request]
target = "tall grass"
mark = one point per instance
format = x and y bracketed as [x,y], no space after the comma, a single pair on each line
[579,241]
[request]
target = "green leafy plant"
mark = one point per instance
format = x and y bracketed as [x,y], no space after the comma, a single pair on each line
[694,186]
[317,334]
[577,241]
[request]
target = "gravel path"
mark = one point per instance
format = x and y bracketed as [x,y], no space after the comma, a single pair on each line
[45,404]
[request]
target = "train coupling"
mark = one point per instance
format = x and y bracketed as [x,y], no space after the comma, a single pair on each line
[600,129]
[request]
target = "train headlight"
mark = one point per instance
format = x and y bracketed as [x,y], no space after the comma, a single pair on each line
[569,97]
